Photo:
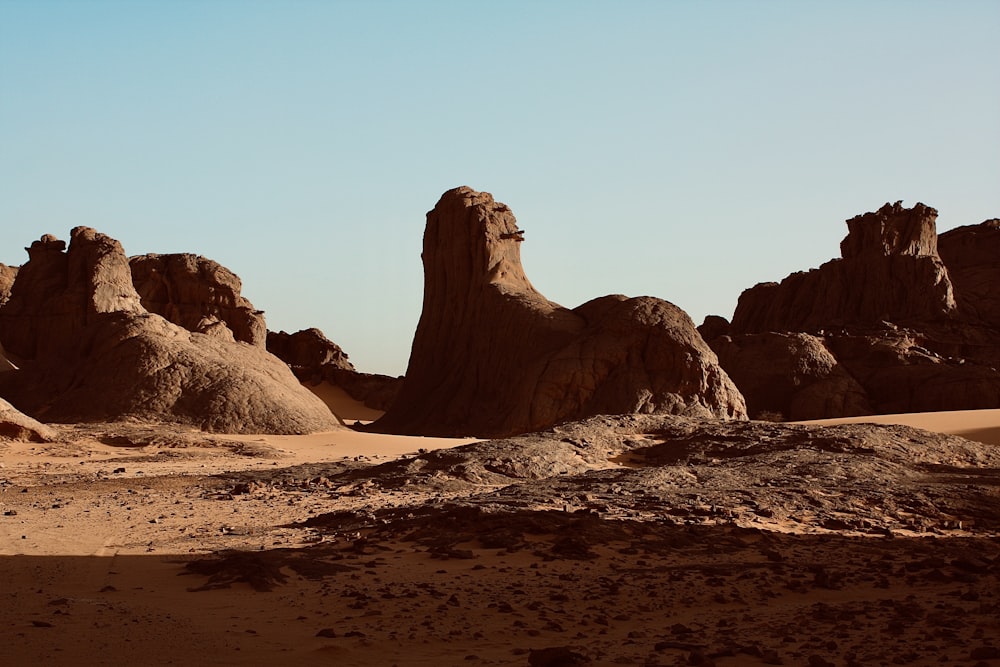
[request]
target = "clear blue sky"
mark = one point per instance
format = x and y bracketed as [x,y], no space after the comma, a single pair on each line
[685,150]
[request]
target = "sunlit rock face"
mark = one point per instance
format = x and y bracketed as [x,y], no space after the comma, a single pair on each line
[87,350]
[890,270]
[492,356]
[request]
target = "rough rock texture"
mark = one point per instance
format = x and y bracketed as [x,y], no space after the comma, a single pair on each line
[307,348]
[314,358]
[91,352]
[7,275]
[901,328]
[890,271]
[15,425]
[790,377]
[492,356]
[972,255]
[198,294]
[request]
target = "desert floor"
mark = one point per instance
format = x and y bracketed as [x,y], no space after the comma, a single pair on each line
[149,545]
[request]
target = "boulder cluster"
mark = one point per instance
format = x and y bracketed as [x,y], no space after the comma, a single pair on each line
[87,348]
[904,321]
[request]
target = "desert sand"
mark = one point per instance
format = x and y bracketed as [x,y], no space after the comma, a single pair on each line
[132,543]
[979,425]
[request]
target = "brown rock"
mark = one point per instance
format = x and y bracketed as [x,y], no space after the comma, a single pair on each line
[307,349]
[7,275]
[909,332]
[91,352]
[972,255]
[901,372]
[491,356]
[890,271]
[790,377]
[314,358]
[198,294]
[15,425]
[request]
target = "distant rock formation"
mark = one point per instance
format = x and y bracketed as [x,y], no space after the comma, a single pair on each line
[972,255]
[7,275]
[314,358]
[890,270]
[491,356]
[307,349]
[15,425]
[90,351]
[198,294]
[904,322]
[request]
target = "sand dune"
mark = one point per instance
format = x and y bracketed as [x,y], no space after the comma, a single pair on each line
[341,404]
[979,425]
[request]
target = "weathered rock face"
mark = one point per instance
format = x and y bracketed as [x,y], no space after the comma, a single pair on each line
[198,294]
[901,328]
[890,271]
[972,255]
[790,377]
[15,425]
[314,358]
[307,349]
[91,352]
[7,275]
[491,356]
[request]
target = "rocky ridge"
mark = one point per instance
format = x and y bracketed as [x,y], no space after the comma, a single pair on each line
[884,329]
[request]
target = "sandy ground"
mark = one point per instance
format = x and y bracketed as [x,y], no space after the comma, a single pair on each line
[979,425]
[97,534]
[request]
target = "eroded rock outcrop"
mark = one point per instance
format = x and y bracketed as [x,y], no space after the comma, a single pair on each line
[890,270]
[198,294]
[790,376]
[491,356]
[90,351]
[315,359]
[307,349]
[7,275]
[15,425]
[905,321]
[972,255]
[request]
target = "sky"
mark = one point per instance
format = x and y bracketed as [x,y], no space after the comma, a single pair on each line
[684,150]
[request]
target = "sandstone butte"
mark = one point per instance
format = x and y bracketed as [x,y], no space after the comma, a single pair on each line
[903,321]
[88,350]
[492,356]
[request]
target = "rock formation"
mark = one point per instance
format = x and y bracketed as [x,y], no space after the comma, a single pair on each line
[307,349]
[491,356]
[890,270]
[7,275]
[89,351]
[314,358]
[15,425]
[790,376]
[198,294]
[903,322]
[972,255]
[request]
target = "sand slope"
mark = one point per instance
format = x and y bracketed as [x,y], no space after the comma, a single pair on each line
[979,425]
